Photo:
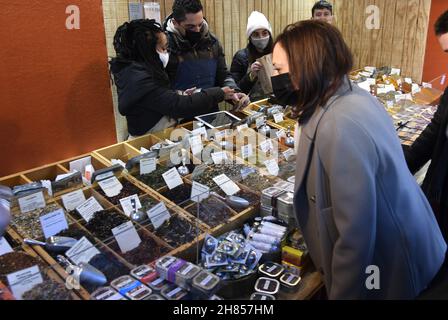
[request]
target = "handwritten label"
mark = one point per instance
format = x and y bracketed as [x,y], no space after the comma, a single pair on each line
[158,215]
[53,223]
[32,202]
[226,185]
[82,252]
[73,200]
[172,178]
[24,280]
[89,208]
[127,237]
[199,192]
[147,166]
[126,204]
[111,186]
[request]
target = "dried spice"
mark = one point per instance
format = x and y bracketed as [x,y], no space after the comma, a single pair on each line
[153,180]
[74,232]
[148,250]
[110,266]
[205,177]
[28,224]
[176,232]
[147,203]
[253,198]
[287,170]
[179,195]
[48,290]
[103,222]
[212,212]
[16,261]
[128,190]
[258,182]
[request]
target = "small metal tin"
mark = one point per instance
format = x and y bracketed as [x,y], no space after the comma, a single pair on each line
[267,286]
[269,194]
[266,211]
[257,296]
[106,293]
[158,285]
[271,269]
[285,208]
[145,274]
[163,264]
[155,297]
[290,282]
[131,288]
[186,274]
[206,283]
[174,292]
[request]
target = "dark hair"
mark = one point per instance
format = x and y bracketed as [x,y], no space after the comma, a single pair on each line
[441,26]
[319,62]
[183,7]
[137,41]
[254,54]
[320,5]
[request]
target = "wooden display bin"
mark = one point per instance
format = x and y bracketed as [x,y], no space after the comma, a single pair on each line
[144,142]
[121,151]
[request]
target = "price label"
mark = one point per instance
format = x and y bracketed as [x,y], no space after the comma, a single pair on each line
[395,71]
[147,166]
[199,192]
[158,215]
[126,204]
[24,280]
[127,237]
[272,167]
[202,132]
[281,134]
[5,247]
[111,186]
[246,151]
[288,153]
[266,146]
[259,122]
[32,202]
[53,223]
[196,144]
[278,117]
[219,157]
[242,127]
[82,251]
[172,178]
[89,208]
[228,186]
[118,161]
[73,200]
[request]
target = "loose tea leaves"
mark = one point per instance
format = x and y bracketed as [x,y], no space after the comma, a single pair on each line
[212,212]
[48,290]
[176,232]
[103,222]
[233,171]
[153,180]
[179,195]
[128,190]
[258,182]
[16,261]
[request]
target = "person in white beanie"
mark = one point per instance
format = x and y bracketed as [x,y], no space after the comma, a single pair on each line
[245,67]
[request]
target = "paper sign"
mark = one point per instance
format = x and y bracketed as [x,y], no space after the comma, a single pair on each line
[278,117]
[281,134]
[73,200]
[82,251]
[370,69]
[144,150]
[147,166]
[389,88]
[288,153]
[111,187]
[80,164]
[152,11]
[158,215]
[219,157]
[259,122]
[172,178]
[395,71]
[24,280]
[266,146]
[408,80]
[118,161]
[5,247]
[32,202]
[196,144]
[246,151]
[89,208]
[272,167]
[126,204]
[47,184]
[127,237]
[199,192]
[220,135]
[226,185]
[135,11]
[53,223]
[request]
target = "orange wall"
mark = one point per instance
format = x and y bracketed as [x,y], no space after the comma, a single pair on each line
[55,100]
[436,61]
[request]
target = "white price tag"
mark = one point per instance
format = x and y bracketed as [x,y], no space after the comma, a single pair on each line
[118,161]
[199,192]
[370,69]
[53,223]
[272,167]
[126,204]
[288,153]
[82,251]
[73,200]
[242,127]
[196,144]
[144,150]
[80,164]
[111,186]
[32,202]
[147,166]
[89,208]
[24,280]
[201,132]
[226,185]
[158,215]
[219,157]
[259,122]
[127,237]
[220,135]
[278,117]
[266,146]
[5,247]
[395,71]
[281,134]
[408,80]
[172,178]
[246,151]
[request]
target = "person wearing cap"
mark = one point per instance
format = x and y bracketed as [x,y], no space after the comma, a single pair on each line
[322,10]
[245,67]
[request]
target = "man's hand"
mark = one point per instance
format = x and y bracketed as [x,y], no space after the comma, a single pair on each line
[189,92]
[228,93]
[240,101]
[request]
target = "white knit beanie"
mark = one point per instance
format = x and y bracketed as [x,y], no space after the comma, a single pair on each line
[256,21]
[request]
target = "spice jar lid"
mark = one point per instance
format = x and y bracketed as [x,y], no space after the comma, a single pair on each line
[290,280]
[267,286]
[173,292]
[262,297]
[271,269]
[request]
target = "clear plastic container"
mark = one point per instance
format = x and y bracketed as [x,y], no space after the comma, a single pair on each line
[174,292]
[145,274]
[106,293]
[206,283]
[267,286]
[262,297]
[186,274]
[131,288]
[271,269]
[290,282]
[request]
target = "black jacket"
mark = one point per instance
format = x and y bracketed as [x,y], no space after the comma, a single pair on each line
[433,145]
[239,70]
[208,46]
[144,97]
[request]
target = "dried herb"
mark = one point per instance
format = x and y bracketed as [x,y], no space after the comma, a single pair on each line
[233,171]
[153,180]
[103,222]
[258,182]
[16,261]
[176,232]
[128,190]
[48,290]
[287,170]
[148,250]
[179,195]
[212,212]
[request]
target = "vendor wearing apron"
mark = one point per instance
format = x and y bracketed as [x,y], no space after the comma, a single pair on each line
[196,56]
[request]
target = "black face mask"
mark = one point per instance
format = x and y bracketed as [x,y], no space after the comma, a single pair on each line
[193,37]
[283,90]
